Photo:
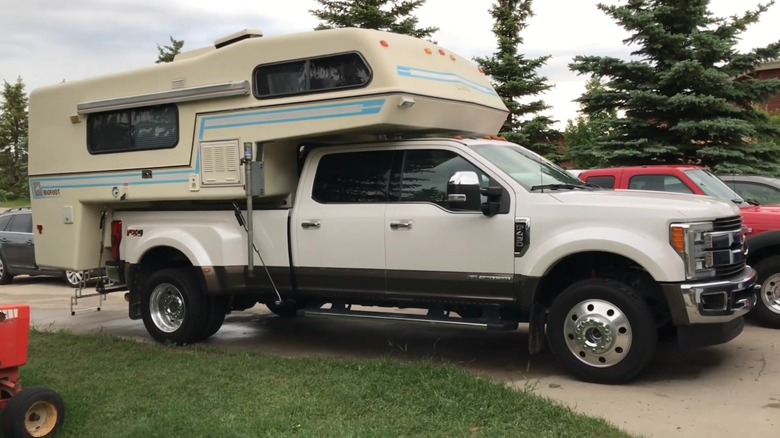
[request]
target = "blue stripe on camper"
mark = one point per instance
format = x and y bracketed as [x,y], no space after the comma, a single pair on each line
[439,76]
[289,115]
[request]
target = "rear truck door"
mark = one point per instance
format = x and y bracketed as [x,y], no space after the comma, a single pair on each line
[440,252]
[338,224]
[18,242]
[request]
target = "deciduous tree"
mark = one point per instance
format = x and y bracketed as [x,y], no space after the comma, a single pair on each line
[13,140]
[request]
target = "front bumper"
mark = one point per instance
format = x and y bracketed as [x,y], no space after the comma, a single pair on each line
[712,302]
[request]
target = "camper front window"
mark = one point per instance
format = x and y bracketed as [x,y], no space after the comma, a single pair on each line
[336,72]
[147,128]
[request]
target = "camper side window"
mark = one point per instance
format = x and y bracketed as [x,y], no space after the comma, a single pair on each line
[336,72]
[154,127]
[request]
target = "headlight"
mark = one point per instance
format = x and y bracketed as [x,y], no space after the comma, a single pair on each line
[690,242]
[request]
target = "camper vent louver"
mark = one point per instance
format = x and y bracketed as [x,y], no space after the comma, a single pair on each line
[220,163]
[178,83]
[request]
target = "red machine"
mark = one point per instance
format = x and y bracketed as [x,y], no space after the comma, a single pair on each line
[30,412]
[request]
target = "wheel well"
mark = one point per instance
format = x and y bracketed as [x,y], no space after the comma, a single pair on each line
[162,257]
[595,264]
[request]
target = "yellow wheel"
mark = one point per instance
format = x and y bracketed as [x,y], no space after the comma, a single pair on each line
[35,412]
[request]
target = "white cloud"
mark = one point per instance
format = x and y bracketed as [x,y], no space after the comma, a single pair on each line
[47,41]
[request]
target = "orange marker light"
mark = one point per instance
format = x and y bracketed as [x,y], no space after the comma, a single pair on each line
[678,239]
[428,50]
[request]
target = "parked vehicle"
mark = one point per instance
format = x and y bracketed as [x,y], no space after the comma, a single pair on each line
[17,250]
[317,171]
[763,222]
[762,189]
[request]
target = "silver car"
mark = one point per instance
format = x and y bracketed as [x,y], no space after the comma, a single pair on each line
[762,189]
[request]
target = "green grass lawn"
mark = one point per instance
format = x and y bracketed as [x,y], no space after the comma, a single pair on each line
[119,388]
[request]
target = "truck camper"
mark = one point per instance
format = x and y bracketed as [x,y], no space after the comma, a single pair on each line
[319,171]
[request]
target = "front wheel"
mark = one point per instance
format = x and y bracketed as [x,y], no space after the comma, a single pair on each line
[174,308]
[767,309]
[34,412]
[602,331]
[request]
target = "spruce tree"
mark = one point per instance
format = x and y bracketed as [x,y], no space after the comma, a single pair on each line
[388,15]
[13,141]
[167,53]
[516,80]
[687,95]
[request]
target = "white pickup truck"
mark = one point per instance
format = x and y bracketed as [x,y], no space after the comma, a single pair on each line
[358,174]
[484,230]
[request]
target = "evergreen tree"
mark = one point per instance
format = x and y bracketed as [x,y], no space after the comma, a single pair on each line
[517,82]
[582,135]
[167,53]
[388,15]
[13,140]
[687,95]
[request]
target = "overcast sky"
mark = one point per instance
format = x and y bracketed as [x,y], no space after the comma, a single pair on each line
[48,41]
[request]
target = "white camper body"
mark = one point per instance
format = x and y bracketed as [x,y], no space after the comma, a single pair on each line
[193,151]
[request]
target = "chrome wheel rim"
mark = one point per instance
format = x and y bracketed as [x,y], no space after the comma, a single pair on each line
[74,277]
[770,293]
[597,333]
[166,306]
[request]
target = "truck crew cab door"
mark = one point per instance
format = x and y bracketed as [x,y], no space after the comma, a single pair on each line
[337,230]
[438,252]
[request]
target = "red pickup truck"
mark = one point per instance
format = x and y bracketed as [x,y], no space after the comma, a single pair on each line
[763,222]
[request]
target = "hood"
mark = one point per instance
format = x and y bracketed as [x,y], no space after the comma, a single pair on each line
[691,207]
[761,218]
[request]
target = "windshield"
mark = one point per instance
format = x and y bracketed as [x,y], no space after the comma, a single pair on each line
[527,168]
[713,186]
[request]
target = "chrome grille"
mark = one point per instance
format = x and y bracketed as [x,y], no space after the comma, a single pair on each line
[725,247]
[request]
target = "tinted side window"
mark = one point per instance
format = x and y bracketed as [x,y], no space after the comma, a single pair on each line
[22,223]
[758,192]
[607,182]
[427,172]
[325,73]
[4,220]
[353,177]
[154,127]
[659,183]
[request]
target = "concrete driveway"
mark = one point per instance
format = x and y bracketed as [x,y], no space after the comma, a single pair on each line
[727,390]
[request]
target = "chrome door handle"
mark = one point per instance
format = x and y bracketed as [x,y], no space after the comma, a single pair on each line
[310,224]
[401,225]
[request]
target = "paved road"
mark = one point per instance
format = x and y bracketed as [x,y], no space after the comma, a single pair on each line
[727,390]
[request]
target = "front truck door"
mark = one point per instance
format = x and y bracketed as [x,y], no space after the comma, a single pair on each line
[338,225]
[439,253]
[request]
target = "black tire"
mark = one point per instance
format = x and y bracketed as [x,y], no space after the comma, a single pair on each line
[217,312]
[602,331]
[34,412]
[287,309]
[173,307]
[5,276]
[767,309]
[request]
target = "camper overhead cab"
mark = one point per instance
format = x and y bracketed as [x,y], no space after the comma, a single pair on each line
[319,171]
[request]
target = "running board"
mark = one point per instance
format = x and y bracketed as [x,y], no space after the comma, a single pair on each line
[386,316]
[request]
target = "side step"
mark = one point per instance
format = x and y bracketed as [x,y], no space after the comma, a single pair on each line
[431,318]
